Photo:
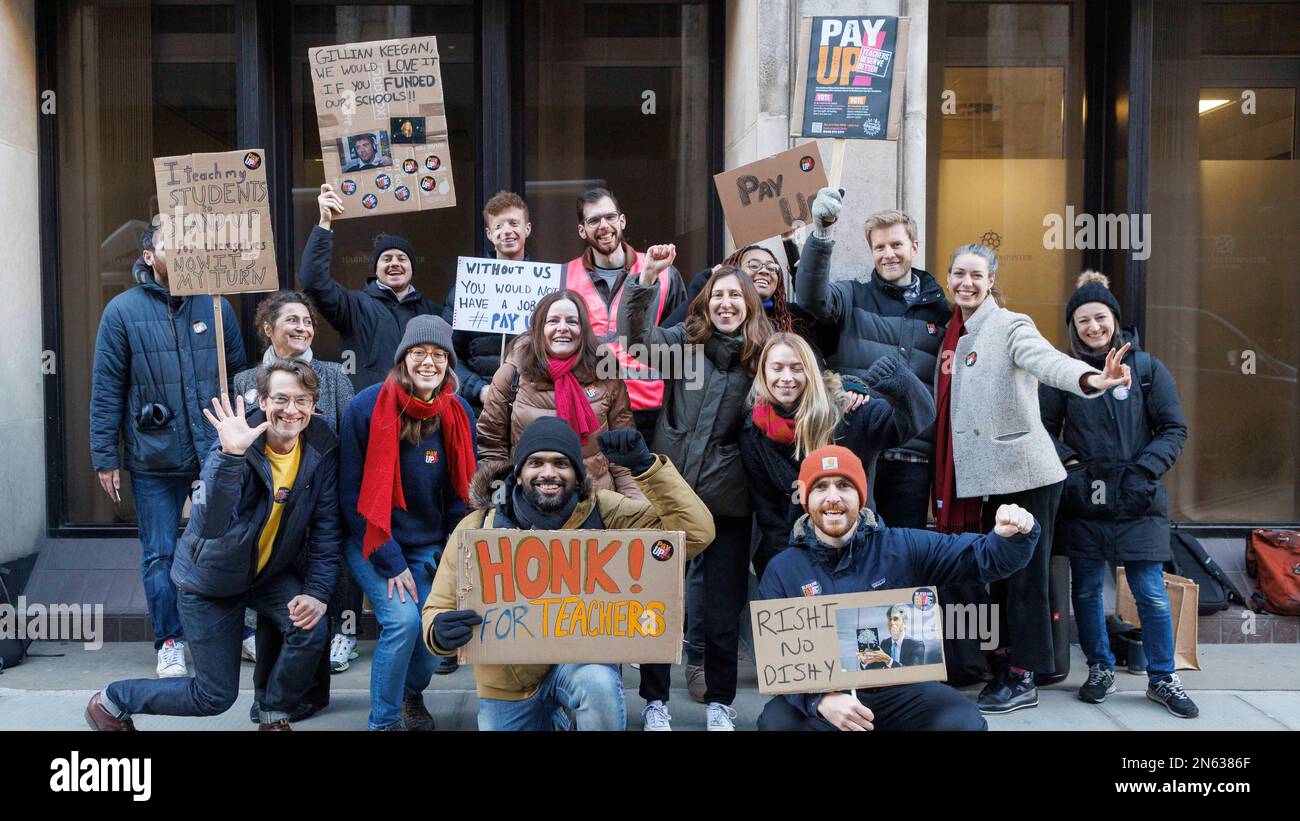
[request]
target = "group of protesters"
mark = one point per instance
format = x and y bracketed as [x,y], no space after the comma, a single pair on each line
[834,436]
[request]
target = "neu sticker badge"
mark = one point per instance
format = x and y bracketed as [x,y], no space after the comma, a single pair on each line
[662,550]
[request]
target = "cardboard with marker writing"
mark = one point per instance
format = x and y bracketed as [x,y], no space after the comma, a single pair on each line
[771,196]
[383,125]
[819,644]
[567,596]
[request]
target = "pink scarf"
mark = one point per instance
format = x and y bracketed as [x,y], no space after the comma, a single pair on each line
[571,403]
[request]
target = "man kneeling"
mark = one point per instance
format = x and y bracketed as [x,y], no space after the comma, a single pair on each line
[548,490]
[840,547]
[269,492]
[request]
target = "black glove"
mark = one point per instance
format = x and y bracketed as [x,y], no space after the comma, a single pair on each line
[626,447]
[453,628]
[883,376]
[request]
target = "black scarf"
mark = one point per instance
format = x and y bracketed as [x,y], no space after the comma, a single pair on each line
[527,516]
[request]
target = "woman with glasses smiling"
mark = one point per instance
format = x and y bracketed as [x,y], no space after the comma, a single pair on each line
[286,320]
[406,461]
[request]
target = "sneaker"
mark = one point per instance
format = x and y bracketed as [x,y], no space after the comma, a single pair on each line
[721,718]
[1100,683]
[656,718]
[446,666]
[695,683]
[1171,694]
[171,659]
[415,716]
[248,648]
[343,648]
[99,717]
[1008,693]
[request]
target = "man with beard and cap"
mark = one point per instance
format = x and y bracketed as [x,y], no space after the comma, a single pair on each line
[548,489]
[371,320]
[598,276]
[840,547]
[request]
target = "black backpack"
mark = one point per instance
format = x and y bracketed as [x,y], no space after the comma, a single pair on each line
[1191,560]
[12,650]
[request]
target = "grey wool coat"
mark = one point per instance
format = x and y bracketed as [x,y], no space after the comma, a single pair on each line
[999,444]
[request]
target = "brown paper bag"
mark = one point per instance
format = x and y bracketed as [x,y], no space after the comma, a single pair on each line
[1184,599]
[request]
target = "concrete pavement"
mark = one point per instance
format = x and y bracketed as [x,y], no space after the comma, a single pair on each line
[1241,687]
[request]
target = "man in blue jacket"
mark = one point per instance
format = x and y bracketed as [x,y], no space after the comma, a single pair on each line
[155,369]
[840,547]
[270,495]
[371,320]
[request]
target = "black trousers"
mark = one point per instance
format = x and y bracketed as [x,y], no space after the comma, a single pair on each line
[925,706]
[902,492]
[724,566]
[1022,599]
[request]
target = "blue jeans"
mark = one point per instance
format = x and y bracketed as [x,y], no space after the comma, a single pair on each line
[1146,580]
[593,691]
[159,501]
[401,664]
[214,628]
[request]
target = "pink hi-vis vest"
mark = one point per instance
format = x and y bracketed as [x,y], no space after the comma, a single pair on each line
[643,389]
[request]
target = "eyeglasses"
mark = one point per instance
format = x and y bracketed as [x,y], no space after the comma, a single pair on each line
[280,402]
[594,222]
[755,267]
[416,356]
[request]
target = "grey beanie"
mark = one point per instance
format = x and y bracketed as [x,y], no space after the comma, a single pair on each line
[426,330]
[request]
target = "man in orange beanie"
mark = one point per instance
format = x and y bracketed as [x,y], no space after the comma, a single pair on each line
[840,547]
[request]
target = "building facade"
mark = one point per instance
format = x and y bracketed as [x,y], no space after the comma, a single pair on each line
[1178,115]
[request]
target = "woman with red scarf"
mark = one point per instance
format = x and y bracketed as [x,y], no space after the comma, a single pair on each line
[555,370]
[991,449]
[407,456]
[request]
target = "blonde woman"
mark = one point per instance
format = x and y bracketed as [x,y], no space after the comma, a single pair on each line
[797,409]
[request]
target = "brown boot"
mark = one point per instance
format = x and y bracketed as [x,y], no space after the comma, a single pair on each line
[100,718]
[280,726]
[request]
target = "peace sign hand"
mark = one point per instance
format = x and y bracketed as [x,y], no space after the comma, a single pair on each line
[1115,371]
[232,427]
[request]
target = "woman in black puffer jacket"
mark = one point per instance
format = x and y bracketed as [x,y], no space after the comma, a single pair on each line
[1114,507]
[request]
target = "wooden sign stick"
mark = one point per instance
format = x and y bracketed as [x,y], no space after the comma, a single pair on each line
[219,330]
[837,162]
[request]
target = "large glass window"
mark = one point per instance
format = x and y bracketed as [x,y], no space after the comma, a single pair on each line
[136,80]
[616,96]
[439,236]
[1222,278]
[1008,145]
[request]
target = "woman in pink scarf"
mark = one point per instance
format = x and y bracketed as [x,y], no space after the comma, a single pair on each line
[557,368]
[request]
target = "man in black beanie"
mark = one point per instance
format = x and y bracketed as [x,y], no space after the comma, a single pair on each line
[371,320]
[548,489]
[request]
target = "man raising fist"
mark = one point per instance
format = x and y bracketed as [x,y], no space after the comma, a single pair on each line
[840,547]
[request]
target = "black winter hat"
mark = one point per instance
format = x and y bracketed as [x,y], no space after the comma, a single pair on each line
[1092,287]
[385,241]
[550,433]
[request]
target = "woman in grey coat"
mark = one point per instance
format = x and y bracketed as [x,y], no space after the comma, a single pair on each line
[286,320]
[991,449]
[708,364]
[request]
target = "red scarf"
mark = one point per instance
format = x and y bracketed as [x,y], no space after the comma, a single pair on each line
[952,515]
[773,425]
[571,404]
[381,482]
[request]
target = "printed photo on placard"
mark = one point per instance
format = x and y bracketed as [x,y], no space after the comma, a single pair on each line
[407,130]
[888,637]
[369,149]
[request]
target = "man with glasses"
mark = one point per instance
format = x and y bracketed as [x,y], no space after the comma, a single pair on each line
[598,276]
[269,496]
[371,320]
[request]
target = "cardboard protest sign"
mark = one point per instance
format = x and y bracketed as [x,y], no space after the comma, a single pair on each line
[851,76]
[215,212]
[771,196]
[559,596]
[816,644]
[498,296]
[383,125]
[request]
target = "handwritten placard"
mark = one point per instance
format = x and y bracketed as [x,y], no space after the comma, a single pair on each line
[499,296]
[771,196]
[559,596]
[816,644]
[215,220]
[383,125]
